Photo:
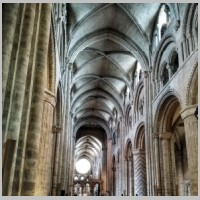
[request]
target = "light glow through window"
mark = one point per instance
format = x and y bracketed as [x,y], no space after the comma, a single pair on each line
[83,166]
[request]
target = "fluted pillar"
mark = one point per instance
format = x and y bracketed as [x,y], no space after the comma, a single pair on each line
[15,112]
[157,164]
[165,141]
[57,132]
[33,137]
[191,136]
[128,177]
[125,176]
[130,163]
[140,172]
[9,18]
[44,172]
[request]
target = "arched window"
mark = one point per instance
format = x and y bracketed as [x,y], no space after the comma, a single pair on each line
[163,29]
[137,74]
[165,75]
[163,20]
[174,62]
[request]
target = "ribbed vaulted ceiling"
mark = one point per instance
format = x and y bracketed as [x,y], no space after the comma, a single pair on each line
[106,41]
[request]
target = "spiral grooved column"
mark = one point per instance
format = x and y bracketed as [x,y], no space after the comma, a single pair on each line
[9,18]
[191,136]
[33,137]
[140,172]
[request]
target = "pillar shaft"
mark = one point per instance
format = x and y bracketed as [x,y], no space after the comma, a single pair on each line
[191,136]
[157,165]
[9,19]
[114,181]
[33,138]
[104,169]
[165,141]
[57,133]
[130,163]
[140,172]
[19,88]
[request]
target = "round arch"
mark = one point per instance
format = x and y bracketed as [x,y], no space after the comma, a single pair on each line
[192,90]
[139,141]
[90,121]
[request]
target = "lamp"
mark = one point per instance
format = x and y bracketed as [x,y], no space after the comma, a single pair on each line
[196,112]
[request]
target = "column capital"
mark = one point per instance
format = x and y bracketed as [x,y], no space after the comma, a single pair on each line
[189,111]
[165,135]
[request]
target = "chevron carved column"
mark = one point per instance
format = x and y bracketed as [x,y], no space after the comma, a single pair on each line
[140,172]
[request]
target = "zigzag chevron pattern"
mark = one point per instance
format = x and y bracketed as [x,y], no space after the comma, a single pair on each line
[140,175]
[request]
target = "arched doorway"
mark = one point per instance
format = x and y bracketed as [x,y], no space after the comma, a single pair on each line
[173,172]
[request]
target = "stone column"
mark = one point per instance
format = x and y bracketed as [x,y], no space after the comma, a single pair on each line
[33,137]
[140,172]
[109,163]
[9,19]
[57,132]
[148,135]
[16,108]
[179,172]
[173,166]
[125,177]
[165,140]
[104,168]
[65,177]
[60,164]
[128,176]
[114,181]
[157,164]
[130,163]
[191,136]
